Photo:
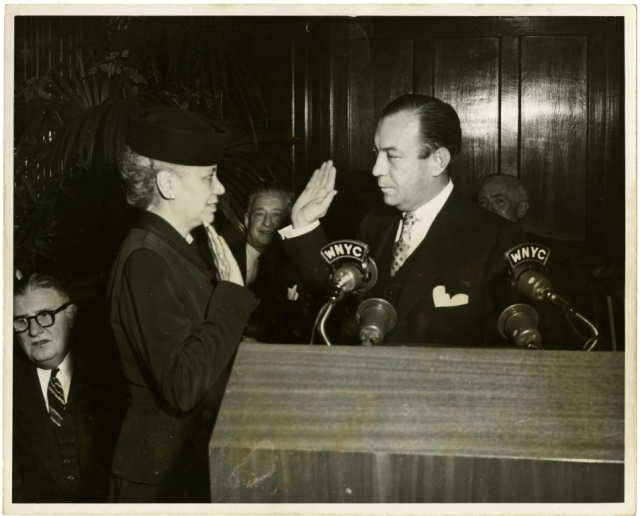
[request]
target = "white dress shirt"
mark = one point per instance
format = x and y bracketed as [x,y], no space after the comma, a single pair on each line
[425,215]
[289,232]
[66,370]
[252,264]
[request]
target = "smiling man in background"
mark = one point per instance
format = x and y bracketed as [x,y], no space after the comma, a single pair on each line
[282,316]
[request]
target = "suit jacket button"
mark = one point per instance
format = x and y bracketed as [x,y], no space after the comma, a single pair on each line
[71,477]
[66,461]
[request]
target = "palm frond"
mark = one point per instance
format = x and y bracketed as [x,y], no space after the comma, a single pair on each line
[73,119]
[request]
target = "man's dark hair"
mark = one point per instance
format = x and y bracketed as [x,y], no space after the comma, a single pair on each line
[439,122]
[38,280]
[271,188]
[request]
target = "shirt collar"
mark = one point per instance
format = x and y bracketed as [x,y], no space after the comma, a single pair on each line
[252,252]
[65,367]
[434,206]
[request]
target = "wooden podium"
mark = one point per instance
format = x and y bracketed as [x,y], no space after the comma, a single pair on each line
[403,424]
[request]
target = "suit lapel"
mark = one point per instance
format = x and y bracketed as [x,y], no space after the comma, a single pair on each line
[33,420]
[388,228]
[441,242]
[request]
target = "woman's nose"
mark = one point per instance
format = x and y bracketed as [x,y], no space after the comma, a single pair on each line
[216,186]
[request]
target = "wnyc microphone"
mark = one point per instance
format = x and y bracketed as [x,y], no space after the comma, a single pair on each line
[526,263]
[519,322]
[352,270]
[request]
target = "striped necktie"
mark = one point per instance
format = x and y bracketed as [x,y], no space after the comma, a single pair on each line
[55,396]
[401,247]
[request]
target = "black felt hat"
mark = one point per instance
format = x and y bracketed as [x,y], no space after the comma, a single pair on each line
[176,136]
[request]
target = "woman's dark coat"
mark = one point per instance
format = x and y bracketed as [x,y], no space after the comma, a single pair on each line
[177,332]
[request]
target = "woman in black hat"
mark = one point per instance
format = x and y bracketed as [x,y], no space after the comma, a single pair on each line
[177,326]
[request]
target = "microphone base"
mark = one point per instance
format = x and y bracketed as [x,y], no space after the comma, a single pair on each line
[519,323]
[376,318]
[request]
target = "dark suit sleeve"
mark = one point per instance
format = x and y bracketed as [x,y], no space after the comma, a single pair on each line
[364,229]
[17,486]
[184,360]
[304,254]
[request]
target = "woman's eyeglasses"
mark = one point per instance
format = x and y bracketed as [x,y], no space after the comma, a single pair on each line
[45,319]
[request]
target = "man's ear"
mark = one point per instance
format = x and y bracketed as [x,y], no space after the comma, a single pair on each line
[71,310]
[523,208]
[441,158]
[163,182]
[246,220]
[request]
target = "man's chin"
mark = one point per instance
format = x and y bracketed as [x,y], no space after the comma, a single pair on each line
[390,201]
[46,362]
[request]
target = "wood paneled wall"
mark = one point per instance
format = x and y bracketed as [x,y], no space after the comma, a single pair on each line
[554,133]
[466,74]
[538,98]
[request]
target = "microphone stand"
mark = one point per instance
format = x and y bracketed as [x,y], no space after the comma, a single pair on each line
[325,311]
[348,278]
[569,313]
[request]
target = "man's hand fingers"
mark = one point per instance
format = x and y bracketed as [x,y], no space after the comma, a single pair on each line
[319,177]
[325,202]
[315,179]
[331,178]
[324,173]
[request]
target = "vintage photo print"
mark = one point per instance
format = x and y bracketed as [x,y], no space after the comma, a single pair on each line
[320,259]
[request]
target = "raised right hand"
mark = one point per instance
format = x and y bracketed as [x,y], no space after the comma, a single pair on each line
[316,198]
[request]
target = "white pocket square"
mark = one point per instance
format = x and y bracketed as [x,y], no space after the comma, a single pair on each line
[441,298]
[292,294]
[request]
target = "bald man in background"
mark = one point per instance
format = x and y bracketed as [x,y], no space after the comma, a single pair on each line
[504,195]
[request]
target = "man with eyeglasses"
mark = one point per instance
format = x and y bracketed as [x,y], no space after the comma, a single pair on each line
[63,434]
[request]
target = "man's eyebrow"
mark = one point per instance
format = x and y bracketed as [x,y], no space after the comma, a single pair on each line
[37,312]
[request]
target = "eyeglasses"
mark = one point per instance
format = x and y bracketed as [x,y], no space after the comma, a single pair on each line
[45,319]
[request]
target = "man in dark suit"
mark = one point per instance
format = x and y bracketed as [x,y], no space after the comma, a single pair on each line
[282,316]
[64,423]
[440,257]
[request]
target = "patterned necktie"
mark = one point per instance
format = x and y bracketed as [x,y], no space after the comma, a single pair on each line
[55,396]
[401,247]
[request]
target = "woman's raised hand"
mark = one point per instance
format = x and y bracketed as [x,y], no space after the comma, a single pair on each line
[226,265]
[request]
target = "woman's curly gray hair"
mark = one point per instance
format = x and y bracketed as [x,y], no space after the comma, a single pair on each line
[139,177]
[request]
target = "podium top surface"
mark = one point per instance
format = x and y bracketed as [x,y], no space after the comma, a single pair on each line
[503,403]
